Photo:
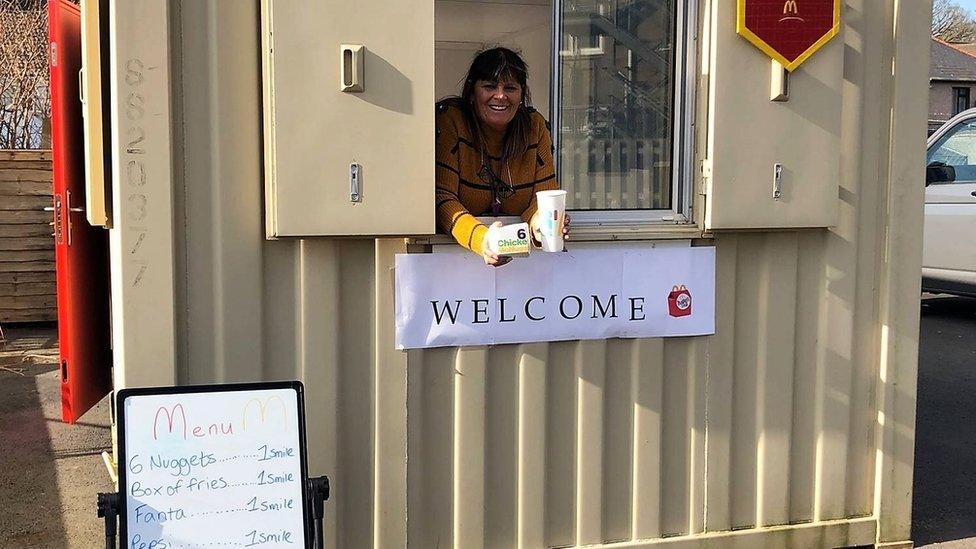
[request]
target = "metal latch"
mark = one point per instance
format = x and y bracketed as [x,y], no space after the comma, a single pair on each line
[68,211]
[56,224]
[355,182]
[777,181]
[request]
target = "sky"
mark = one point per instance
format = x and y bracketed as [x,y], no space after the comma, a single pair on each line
[968,4]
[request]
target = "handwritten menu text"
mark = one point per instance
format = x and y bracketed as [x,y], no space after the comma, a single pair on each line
[211,470]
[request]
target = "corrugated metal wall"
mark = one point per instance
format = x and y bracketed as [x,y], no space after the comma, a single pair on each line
[767,423]
[772,421]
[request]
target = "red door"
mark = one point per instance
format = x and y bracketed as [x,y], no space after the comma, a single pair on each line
[81,251]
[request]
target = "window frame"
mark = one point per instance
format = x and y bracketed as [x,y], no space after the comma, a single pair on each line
[939,140]
[683,129]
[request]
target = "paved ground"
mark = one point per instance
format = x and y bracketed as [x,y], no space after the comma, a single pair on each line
[50,472]
[944,506]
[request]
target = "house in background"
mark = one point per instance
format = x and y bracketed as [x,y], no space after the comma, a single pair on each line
[952,79]
[965,48]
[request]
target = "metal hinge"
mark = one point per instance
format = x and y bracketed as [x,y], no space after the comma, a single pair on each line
[706,175]
[706,185]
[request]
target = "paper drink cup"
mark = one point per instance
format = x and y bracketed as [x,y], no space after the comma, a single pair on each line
[552,216]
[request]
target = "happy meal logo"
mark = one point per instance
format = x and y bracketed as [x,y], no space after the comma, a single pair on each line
[679,301]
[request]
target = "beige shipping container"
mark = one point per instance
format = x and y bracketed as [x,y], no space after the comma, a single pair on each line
[792,426]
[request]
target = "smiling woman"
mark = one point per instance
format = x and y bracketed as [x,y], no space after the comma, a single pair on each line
[494,151]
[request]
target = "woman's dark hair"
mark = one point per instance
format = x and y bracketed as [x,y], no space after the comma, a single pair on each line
[499,65]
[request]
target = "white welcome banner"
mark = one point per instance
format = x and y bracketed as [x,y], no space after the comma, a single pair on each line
[454,299]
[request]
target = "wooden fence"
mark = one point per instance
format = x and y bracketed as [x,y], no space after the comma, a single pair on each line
[27,286]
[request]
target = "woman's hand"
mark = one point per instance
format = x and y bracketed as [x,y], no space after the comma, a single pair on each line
[537,232]
[490,257]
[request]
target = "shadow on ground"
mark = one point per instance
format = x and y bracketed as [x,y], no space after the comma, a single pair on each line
[28,480]
[50,472]
[944,504]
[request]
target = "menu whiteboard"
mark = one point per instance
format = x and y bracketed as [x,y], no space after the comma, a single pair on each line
[213,466]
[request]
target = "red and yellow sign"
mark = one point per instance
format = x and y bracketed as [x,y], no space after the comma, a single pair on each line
[789,31]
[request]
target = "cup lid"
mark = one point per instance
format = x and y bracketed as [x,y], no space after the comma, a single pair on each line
[557,192]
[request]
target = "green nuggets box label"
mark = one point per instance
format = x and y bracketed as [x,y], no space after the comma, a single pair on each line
[509,239]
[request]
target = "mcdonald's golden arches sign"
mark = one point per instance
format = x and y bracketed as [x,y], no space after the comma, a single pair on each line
[789,31]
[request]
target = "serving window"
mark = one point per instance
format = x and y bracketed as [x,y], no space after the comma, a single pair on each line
[619,115]
[349,93]
[610,77]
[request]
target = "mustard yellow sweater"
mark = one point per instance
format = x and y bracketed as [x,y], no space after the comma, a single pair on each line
[461,194]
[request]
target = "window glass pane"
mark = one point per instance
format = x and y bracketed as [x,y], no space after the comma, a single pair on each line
[957,149]
[961,96]
[616,102]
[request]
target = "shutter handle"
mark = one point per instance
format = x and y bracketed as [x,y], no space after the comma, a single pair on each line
[352,67]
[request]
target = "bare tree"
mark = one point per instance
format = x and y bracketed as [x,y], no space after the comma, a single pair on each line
[25,101]
[952,23]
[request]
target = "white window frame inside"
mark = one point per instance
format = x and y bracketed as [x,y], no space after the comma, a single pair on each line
[682,174]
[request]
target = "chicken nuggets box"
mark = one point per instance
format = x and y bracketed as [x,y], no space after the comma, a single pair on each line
[509,239]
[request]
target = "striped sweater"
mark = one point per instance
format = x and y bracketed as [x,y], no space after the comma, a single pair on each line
[462,194]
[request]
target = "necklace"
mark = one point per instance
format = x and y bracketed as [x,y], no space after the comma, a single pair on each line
[493,180]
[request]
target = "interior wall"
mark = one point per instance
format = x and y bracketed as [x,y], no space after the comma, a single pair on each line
[463,27]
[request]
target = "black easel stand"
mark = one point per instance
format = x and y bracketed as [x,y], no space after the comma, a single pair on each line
[318,492]
[108,508]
